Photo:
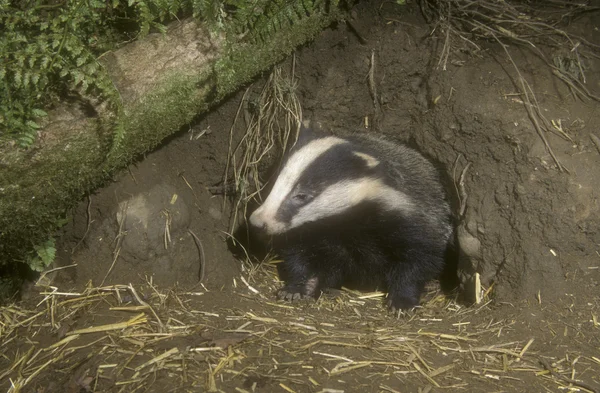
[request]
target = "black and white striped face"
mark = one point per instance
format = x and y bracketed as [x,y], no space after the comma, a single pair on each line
[323,177]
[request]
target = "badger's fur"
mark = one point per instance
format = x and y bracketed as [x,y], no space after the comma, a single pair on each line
[359,211]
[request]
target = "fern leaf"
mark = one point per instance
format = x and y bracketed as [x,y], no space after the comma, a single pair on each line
[38,112]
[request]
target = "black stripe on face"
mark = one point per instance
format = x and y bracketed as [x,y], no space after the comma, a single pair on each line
[337,164]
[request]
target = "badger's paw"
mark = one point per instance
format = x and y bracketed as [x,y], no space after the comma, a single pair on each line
[298,291]
[291,293]
[400,305]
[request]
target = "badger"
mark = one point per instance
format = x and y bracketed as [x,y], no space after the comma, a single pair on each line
[359,211]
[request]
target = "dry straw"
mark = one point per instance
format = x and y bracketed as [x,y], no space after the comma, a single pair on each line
[109,339]
[271,124]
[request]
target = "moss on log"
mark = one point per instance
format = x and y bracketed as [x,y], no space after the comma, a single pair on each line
[164,80]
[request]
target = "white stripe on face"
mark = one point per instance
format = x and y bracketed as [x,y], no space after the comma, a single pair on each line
[346,194]
[264,216]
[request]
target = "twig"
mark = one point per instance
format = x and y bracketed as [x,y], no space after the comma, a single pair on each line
[596,141]
[229,152]
[167,230]
[521,24]
[143,303]
[556,375]
[264,131]
[354,30]
[446,48]
[119,240]
[460,185]
[46,272]
[463,193]
[201,254]
[372,84]
[112,265]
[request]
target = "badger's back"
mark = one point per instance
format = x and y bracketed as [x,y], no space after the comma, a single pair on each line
[407,170]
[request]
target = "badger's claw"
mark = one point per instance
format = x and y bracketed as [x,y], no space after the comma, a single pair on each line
[293,292]
[283,294]
[401,305]
[298,291]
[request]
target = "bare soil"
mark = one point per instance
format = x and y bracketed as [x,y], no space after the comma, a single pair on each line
[537,230]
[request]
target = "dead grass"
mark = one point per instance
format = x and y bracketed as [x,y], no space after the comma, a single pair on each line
[126,339]
[271,123]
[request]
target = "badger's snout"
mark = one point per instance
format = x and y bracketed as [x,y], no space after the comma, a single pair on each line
[261,222]
[257,221]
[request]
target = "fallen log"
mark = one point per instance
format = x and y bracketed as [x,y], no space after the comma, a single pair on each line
[164,81]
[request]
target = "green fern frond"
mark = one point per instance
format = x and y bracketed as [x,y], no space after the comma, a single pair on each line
[52,48]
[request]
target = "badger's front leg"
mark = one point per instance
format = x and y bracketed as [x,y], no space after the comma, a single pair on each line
[305,275]
[407,278]
[300,280]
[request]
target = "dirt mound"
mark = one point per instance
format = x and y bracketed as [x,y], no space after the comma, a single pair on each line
[157,222]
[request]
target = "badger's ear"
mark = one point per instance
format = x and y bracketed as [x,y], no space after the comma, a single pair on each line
[370,161]
[305,133]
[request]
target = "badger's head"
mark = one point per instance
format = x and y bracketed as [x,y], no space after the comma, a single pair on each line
[324,176]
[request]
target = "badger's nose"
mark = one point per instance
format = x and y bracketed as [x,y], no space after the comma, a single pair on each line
[256,220]
[263,222]
[258,227]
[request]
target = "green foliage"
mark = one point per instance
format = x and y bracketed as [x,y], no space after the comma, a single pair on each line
[50,49]
[45,49]
[256,20]
[42,256]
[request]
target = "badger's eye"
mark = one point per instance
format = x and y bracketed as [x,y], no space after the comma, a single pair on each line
[301,198]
